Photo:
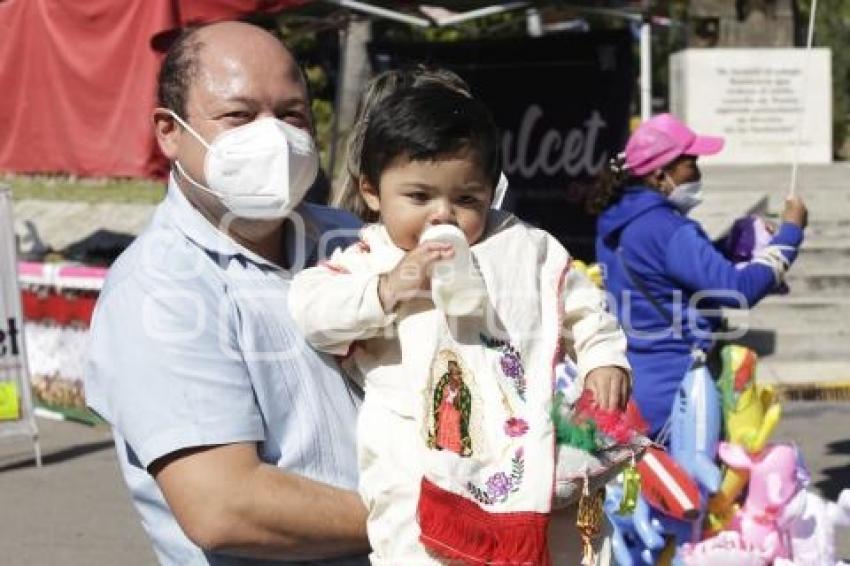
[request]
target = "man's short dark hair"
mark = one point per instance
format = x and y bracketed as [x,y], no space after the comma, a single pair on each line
[427,123]
[178,71]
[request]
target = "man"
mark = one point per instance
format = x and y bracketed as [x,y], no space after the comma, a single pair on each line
[235,439]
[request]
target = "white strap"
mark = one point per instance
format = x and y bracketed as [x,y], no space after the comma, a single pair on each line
[773,257]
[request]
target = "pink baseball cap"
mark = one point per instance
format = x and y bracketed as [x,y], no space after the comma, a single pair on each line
[663,138]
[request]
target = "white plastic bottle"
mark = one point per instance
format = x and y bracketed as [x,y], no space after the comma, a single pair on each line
[457,288]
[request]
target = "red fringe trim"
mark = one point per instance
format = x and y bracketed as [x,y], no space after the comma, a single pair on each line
[458,529]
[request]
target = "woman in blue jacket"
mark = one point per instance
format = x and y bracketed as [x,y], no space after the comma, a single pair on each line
[664,274]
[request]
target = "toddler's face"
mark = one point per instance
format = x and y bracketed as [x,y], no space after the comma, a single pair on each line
[414,195]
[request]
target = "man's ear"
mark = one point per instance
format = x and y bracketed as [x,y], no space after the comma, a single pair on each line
[369,192]
[167,132]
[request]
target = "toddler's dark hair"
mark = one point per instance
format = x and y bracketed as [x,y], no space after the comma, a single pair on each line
[426,123]
[377,89]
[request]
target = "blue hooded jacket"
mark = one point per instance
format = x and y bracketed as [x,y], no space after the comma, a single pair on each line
[675,262]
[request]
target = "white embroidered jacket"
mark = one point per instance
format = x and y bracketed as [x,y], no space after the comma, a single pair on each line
[336,305]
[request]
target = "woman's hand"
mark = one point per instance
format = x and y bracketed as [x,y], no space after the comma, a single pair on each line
[412,274]
[795,212]
[611,387]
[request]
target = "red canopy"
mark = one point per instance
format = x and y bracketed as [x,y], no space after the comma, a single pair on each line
[78,80]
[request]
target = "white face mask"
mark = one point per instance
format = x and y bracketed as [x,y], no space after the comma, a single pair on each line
[685,196]
[260,170]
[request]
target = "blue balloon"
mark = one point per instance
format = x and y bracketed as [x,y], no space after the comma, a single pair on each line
[680,531]
[625,543]
[695,429]
[694,437]
[641,537]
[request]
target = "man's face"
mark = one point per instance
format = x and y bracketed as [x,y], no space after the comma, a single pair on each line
[243,74]
[237,84]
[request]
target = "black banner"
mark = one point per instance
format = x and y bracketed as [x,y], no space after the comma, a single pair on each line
[563,104]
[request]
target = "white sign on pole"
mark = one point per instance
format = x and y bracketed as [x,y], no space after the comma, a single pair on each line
[16,411]
[773,106]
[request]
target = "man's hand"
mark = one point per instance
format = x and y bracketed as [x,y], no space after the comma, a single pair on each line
[611,387]
[412,274]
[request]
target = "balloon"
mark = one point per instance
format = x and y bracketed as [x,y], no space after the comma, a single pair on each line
[750,237]
[667,487]
[774,481]
[812,531]
[668,509]
[676,486]
[727,549]
[695,428]
[625,543]
[641,538]
[751,413]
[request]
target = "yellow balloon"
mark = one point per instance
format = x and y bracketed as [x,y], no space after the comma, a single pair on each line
[749,423]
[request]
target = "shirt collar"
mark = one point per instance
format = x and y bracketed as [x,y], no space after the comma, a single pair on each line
[204,234]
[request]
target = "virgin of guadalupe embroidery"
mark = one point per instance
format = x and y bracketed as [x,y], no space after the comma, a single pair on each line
[451,407]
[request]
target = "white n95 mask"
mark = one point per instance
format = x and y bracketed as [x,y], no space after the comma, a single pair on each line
[686,196]
[260,170]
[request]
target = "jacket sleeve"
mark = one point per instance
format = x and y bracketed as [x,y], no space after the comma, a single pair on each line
[695,264]
[589,329]
[337,303]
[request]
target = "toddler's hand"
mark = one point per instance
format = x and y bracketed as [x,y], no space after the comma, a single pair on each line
[412,274]
[611,387]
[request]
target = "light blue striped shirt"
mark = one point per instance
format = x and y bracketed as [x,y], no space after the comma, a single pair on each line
[192,345]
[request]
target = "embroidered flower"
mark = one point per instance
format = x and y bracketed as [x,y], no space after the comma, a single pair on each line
[511,365]
[515,427]
[510,362]
[499,485]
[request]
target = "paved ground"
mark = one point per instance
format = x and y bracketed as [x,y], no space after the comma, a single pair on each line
[75,510]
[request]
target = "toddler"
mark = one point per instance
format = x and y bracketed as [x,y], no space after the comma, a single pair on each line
[456,441]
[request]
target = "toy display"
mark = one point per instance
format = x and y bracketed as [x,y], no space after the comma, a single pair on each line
[757,512]
[751,413]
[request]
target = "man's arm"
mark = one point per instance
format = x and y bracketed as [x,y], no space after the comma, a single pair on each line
[227,500]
